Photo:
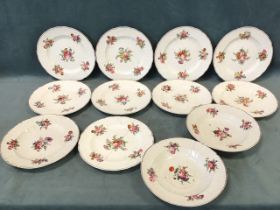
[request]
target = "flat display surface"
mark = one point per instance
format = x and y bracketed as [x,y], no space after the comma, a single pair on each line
[253,176]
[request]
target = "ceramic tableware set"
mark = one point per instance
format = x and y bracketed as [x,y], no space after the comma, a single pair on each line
[179,171]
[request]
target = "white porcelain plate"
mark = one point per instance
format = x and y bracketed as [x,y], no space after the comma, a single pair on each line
[183,53]
[254,99]
[183,172]
[39,141]
[124,53]
[223,127]
[121,97]
[60,97]
[179,96]
[115,143]
[65,53]
[243,54]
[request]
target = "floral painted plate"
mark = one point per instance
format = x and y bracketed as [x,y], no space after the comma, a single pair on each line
[60,98]
[115,143]
[223,127]
[179,96]
[124,53]
[254,99]
[183,172]
[65,53]
[121,97]
[243,54]
[183,53]
[39,141]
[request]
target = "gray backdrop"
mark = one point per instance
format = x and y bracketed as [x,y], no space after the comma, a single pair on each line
[71,184]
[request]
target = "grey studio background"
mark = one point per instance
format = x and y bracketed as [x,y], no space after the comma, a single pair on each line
[72,184]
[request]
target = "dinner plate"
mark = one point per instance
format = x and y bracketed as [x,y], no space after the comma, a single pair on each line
[183,53]
[121,97]
[223,127]
[115,143]
[65,53]
[254,99]
[39,141]
[183,172]
[179,96]
[124,53]
[60,97]
[243,54]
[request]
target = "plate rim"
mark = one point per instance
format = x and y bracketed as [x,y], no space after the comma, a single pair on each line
[221,150]
[69,28]
[250,83]
[174,29]
[47,164]
[187,81]
[59,81]
[122,168]
[130,28]
[232,31]
[185,139]
[123,114]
